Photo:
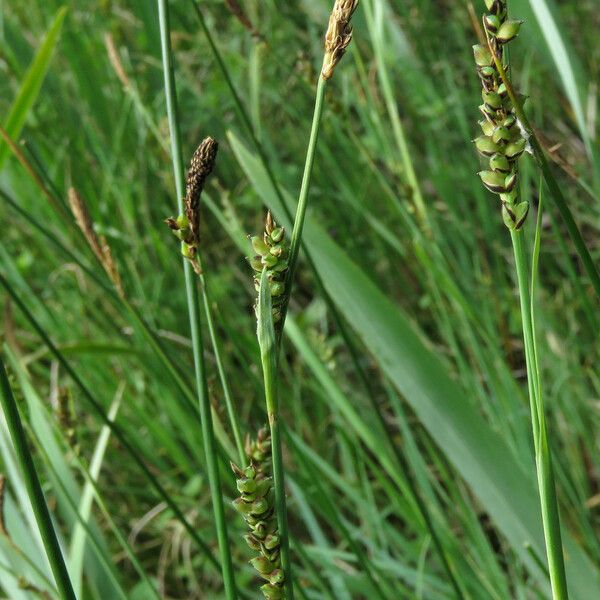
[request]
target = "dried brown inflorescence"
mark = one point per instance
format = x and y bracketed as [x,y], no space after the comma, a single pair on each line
[201,166]
[238,12]
[97,243]
[186,226]
[339,35]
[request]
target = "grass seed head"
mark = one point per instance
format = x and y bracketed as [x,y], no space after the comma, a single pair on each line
[256,505]
[339,35]
[201,166]
[501,143]
[187,225]
[271,251]
[97,243]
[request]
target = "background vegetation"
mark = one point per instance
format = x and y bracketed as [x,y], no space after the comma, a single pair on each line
[412,390]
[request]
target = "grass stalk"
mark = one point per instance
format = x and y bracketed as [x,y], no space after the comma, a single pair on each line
[214,340]
[543,457]
[194,315]
[269,359]
[34,489]
[554,188]
[303,197]
[503,143]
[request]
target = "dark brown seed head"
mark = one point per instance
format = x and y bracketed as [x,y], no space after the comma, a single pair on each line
[201,165]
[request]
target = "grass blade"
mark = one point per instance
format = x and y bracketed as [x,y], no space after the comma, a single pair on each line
[30,88]
[34,489]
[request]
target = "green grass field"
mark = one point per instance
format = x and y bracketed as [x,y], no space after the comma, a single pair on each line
[401,374]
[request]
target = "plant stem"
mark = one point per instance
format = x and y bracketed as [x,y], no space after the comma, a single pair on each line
[233,419]
[194,315]
[34,489]
[543,457]
[296,238]
[555,191]
[269,359]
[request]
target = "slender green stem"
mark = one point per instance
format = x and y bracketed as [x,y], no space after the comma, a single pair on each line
[194,315]
[397,127]
[543,457]
[233,418]
[269,359]
[555,191]
[296,238]
[34,489]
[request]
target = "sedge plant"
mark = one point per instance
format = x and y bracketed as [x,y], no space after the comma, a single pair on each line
[202,164]
[274,266]
[502,143]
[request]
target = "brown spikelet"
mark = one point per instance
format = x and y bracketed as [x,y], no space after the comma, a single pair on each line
[115,60]
[3,530]
[201,166]
[97,243]
[65,414]
[339,35]
[238,12]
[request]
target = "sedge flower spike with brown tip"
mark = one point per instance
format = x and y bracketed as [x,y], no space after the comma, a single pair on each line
[339,35]
[272,252]
[502,142]
[186,226]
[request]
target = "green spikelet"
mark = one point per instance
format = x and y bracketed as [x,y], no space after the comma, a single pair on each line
[256,505]
[501,143]
[272,251]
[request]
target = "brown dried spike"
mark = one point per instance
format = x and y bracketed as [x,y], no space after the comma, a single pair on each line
[98,244]
[238,12]
[339,35]
[201,165]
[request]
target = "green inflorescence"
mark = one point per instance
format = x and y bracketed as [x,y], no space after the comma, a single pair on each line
[502,142]
[256,505]
[272,252]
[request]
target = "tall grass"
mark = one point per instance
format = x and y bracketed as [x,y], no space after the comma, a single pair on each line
[401,377]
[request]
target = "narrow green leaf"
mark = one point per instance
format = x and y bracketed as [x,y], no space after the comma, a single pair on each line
[561,55]
[32,83]
[482,457]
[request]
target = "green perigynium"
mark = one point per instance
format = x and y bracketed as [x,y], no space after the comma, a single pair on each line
[502,142]
[272,252]
[256,504]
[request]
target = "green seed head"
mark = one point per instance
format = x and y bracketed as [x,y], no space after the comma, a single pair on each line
[259,245]
[277,234]
[494,182]
[508,31]
[483,57]
[272,592]
[500,163]
[487,127]
[492,23]
[486,146]
[492,100]
[501,134]
[515,149]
